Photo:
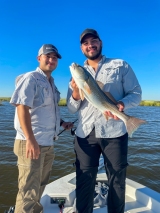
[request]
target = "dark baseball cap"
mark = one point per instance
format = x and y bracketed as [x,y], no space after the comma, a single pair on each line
[48,48]
[87,32]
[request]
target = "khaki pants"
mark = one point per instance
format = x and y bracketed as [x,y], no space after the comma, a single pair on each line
[33,177]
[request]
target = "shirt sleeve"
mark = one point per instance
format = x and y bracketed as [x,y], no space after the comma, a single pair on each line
[24,92]
[132,89]
[72,104]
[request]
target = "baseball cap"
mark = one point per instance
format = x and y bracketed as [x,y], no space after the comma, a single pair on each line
[87,32]
[48,48]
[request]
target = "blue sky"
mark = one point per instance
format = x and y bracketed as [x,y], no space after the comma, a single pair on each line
[129,29]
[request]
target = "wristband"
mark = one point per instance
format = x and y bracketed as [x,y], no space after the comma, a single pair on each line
[62,121]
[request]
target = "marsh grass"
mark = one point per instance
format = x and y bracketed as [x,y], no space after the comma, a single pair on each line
[150,103]
[62,102]
[4,99]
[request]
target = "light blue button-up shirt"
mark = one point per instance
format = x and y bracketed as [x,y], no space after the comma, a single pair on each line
[34,90]
[119,79]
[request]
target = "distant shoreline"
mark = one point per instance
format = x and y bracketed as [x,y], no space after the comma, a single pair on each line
[63,102]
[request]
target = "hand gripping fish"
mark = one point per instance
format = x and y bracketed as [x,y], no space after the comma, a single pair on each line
[89,89]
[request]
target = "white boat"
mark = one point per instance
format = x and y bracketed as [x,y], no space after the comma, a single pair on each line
[139,198]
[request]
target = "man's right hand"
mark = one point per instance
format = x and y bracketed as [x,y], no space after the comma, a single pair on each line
[32,149]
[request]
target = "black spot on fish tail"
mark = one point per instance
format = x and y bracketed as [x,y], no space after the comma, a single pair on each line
[132,124]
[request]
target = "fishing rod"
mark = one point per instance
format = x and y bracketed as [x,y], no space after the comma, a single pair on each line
[71,129]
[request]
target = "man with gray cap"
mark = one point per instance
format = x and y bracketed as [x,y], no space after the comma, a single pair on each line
[37,122]
[96,135]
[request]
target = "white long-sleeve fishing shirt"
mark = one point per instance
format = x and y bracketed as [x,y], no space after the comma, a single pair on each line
[118,79]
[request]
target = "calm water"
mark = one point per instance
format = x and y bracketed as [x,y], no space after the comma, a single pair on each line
[143,157]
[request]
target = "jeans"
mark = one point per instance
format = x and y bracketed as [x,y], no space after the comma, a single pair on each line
[88,151]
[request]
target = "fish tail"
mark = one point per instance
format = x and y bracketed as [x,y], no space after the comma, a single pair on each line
[132,124]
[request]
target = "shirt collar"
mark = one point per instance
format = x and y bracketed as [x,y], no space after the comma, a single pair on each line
[43,73]
[40,71]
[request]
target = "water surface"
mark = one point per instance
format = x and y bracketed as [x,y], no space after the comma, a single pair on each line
[143,154]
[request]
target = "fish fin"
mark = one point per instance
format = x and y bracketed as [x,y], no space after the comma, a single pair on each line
[100,84]
[81,94]
[132,124]
[111,97]
[87,88]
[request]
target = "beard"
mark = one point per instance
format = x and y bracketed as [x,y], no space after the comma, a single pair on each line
[94,56]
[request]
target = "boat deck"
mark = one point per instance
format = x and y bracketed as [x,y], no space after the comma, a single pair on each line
[132,206]
[139,199]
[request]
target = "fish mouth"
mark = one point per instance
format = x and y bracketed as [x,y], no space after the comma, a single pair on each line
[77,72]
[72,68]
[74,65]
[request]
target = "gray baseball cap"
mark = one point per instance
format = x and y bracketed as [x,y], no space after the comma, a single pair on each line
[87,32]
[48,48]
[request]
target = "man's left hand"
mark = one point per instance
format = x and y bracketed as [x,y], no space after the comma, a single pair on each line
[67,125]
[120,106]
